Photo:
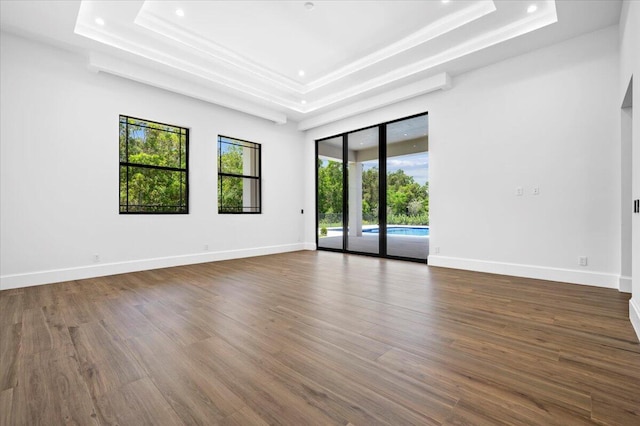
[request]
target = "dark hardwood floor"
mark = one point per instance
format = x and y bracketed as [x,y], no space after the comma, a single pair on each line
[312,338]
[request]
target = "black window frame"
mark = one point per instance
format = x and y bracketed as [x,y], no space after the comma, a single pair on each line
[124,167]
[258,177]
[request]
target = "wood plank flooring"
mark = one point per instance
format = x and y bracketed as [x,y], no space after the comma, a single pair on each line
[316,338]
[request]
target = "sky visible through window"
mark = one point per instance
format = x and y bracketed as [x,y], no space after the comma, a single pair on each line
[415,165]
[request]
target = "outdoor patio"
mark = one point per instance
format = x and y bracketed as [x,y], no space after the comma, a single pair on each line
[397,245]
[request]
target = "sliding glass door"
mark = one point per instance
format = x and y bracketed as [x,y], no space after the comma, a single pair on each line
[408,188]
[372,190]
[330,193]
[363,191]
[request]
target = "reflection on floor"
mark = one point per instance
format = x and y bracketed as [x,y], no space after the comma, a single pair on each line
[397,245]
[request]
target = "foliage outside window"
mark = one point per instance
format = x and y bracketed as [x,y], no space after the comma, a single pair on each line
[153,167]
[330,192]
[407,200]
[239,187]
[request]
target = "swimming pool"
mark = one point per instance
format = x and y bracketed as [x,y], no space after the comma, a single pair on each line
[401,230]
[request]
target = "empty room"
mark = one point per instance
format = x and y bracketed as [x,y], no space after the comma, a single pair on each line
[319,212]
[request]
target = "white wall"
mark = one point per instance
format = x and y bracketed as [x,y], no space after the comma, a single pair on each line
[59,181]
[630,66]
[549,118]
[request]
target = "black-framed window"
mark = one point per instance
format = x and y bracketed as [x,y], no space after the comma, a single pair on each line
[154,167]
[239,169]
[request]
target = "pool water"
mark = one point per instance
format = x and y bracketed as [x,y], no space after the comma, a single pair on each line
[401,230]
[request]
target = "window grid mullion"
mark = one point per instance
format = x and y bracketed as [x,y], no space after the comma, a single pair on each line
[126,144]
[237,205]
[158,204]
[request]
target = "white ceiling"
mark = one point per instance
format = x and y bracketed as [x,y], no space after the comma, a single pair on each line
[356,55]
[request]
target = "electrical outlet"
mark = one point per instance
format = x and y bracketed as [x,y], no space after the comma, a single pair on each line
[535,190]
[436,250]
[583,260]
[206,247]
[519,191]
[96,258]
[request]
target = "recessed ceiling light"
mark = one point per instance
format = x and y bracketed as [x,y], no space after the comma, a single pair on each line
[308,5]
[301,73]
[100,21]
[445,1]
[532,8]
[405,134]
[180,12]
[303,102]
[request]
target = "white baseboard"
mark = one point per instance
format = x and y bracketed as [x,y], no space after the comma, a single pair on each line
[624,284]
[310,246]
[573,276]
[78,273]
[634,315]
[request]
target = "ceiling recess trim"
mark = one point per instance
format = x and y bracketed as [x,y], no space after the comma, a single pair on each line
[146,75]
[440,81]
[114,39]
[488,39]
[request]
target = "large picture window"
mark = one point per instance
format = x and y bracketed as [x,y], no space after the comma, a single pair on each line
[154,167]
[239,189]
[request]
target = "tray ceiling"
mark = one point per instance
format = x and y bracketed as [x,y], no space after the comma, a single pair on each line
[313,62]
